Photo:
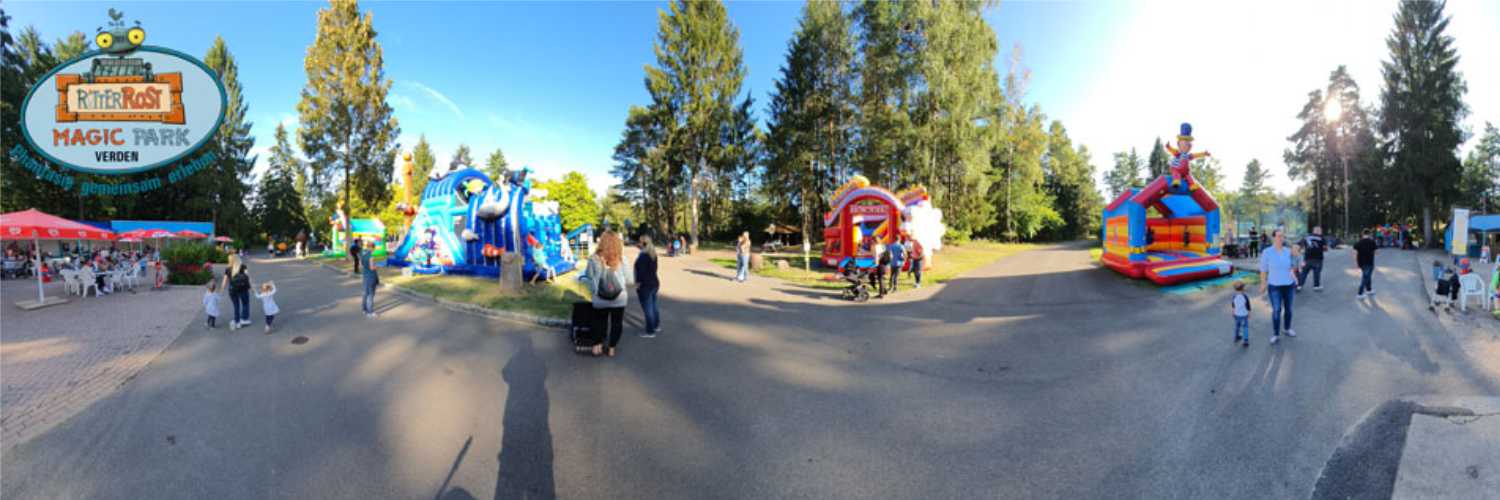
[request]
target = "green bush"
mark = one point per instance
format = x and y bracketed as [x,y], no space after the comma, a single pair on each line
[190,278]
[193,253]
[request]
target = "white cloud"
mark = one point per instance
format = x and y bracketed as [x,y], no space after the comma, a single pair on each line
[400,101]
[437,96]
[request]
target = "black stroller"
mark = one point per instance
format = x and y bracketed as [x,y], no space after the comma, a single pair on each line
[858,279]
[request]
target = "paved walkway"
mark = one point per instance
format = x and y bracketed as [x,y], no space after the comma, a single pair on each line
[1038,376]
[57,361]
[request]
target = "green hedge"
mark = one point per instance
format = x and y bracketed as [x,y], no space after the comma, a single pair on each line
[193,253]
[191,278]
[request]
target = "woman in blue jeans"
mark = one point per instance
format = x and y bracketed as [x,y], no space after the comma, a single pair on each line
[1278,280]
[647,286]
[371,280]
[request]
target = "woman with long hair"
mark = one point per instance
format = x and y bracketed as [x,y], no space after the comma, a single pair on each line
[607,282]
[237,283]
[742,257]
[647,285]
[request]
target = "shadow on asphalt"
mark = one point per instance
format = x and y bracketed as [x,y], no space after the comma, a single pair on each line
[701,272]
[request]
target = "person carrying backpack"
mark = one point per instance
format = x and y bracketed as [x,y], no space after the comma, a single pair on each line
[917,255]
[237,282]
[607,281]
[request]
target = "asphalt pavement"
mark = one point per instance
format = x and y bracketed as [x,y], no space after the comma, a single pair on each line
[1041,376]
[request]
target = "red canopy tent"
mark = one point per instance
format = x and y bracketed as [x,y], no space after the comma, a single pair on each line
[36,225]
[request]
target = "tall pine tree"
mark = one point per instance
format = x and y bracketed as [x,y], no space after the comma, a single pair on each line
[422,161]
[1254,196]
[1157,164]
[1421,110]
[462,158]
[812,115]
[1125,174]
[226,185]
[345,120]
[693,86]
[495,166]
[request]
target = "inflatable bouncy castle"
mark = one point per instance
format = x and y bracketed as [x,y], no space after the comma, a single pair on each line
[1179,243]
[465,222]
[860,213]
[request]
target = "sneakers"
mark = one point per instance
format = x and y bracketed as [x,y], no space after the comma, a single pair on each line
[1370,292]
[646,335]
[1291,333]
[1275,338]
[1318,288]
[1359,296]
[268,329]
[1245,343]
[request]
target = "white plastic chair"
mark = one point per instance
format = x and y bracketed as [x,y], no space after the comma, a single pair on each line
[133,276]
[70,281]
[86,281]
[1469,285]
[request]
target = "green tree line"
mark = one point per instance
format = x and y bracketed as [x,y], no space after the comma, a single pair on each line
[903,93]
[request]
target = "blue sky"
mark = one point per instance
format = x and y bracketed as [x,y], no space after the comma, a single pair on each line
[551,82]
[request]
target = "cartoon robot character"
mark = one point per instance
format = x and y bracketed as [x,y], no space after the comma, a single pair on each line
[119,39]
[1183,156]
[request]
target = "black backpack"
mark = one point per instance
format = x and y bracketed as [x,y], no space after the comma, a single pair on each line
[240,282]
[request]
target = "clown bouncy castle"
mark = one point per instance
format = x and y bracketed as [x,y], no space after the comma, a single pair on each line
[860,214]
[465,222]
[1178,242]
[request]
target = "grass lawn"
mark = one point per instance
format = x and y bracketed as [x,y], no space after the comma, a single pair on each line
[545,300]
[952,261]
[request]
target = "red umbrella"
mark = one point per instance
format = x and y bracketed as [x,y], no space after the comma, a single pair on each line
[191,234]
[223,239]
[133,233]
[129,239]
[158,234]
[35,225]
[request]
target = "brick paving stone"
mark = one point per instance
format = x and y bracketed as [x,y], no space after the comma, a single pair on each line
[54,362]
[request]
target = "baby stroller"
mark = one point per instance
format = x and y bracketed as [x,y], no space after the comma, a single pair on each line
[858,279]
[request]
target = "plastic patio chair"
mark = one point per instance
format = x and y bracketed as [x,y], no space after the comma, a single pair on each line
[1469,285]
[70,281]
[86,281]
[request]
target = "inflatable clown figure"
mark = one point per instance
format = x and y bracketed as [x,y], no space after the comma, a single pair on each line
[1183,156]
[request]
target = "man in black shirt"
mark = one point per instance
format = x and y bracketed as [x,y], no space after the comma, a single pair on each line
[1313,259]
[354,254]
[1364,257]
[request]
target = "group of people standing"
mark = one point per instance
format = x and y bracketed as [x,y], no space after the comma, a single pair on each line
[607,278]
[1284,271]
[904,254]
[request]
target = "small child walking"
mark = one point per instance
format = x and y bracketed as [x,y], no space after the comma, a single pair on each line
[268,303]
[1241,305]
[211,303]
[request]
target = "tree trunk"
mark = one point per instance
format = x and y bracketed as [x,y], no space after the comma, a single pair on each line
[693,203]
[1427,226]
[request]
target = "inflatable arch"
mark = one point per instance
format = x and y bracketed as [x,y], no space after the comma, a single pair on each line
[859,210]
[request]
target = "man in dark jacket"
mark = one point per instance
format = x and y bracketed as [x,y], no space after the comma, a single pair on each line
[1364,257]
[1312,260]
[354,255]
